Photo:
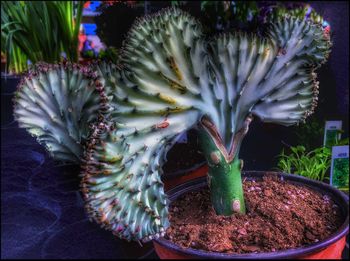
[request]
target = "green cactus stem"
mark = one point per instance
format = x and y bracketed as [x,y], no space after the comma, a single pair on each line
[224,175]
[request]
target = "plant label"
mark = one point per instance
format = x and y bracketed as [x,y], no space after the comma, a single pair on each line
[340,167]
[332,133]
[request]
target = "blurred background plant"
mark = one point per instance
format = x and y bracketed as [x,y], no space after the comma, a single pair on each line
[341,174]
[39,31]
[310,133]
[313,164]
[109,54]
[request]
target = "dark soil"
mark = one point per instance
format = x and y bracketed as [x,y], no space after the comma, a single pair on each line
[279,216]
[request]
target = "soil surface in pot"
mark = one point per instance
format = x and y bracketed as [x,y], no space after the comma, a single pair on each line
[279,216]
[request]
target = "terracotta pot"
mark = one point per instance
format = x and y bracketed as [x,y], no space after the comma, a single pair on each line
[330,248]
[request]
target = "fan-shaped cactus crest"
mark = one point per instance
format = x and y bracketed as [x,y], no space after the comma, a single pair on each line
[169,79]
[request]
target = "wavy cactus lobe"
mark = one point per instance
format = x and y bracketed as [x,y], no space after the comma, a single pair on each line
[56,104]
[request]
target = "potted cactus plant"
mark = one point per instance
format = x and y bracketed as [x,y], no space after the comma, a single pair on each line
[119,121]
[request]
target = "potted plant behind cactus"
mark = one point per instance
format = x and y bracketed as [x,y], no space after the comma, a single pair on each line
[170,79]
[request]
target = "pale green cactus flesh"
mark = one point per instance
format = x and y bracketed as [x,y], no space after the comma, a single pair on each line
[153,100]
[170,78]
[56,104]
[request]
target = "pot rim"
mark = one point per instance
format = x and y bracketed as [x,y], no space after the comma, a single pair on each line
[341,199]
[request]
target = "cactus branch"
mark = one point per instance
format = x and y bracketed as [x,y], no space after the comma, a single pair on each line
[56,103]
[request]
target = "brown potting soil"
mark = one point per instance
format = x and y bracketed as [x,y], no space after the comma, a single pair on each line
[279,216]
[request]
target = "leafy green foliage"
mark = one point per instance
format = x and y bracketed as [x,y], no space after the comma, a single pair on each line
[18,60]
[309,133]
[110,54]
[342,142]
[340,177]
[39,31]
[311,164]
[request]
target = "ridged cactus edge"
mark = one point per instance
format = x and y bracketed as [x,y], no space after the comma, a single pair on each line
[56,103]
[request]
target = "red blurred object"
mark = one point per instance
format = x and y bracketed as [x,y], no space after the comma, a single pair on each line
[327,31]
[87,4]
[82,38]
[333,251]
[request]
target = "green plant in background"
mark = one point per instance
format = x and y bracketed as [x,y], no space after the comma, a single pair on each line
[311,164]
[279,9]
[310,133]
[18,60]
[88,54]
[39,31]
[227,15]
[249,16]
[340,177]
[341,142]
[170,79]
[110,54]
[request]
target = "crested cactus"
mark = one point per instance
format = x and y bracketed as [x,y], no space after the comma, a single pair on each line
[171,78]
[56,103]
